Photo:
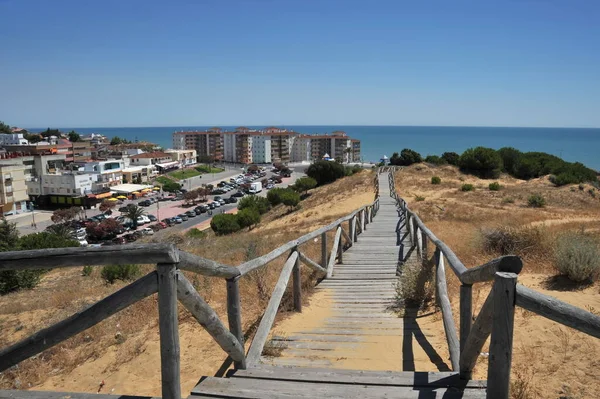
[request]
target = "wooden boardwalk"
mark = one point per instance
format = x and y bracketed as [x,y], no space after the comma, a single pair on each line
[357,347]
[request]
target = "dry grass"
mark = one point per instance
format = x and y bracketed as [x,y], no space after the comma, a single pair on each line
[122,350]
[548,360]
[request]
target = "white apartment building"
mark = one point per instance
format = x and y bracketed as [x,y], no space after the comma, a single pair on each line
[67,184]
[301,148]
[261,149]
[109,173]
[183,157]
[13,190]
[13,139]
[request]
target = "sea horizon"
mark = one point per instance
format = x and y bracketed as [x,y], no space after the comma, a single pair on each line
[574,144]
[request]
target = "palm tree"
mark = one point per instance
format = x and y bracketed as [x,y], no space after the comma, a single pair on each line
[61,230]
[133,213]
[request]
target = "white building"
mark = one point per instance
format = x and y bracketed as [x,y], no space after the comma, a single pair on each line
[12,139]
[261,149]
[68,184]
[183,157]
[301,149]
[109,173]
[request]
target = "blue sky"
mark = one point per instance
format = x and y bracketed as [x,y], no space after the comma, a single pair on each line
[185,62]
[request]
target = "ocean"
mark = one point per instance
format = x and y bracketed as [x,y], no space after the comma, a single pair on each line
[571,144]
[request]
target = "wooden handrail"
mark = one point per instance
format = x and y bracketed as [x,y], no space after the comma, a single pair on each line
[311,263]
[334,252]
[486,272]
[448,320]
[558,311]
[80,321]
[206,267]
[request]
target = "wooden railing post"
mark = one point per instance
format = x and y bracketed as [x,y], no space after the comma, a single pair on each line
[234,314]
[297,284]
[352,229]
[168,330]
[466,313]
[340,254]
[424,248]
[324,258]
[502,335]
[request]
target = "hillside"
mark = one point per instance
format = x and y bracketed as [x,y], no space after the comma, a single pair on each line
[121,354]
[549,360]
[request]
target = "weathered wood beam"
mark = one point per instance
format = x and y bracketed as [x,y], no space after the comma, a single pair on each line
[80,321]
[501,343]
[448,320]
[346,237]
[206,267]
[466,313]
[558,311]
[208,318]
[168,326]
[480,331]
[297,283]
[266,322]
[336,243]
[234,315]
[486,272]
[85,256]
[311,263]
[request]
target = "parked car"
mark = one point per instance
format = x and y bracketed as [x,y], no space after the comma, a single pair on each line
[222,201]
[217,204]
[178,220]
[190,214]
[183,217]
[217,191]
[233,200]
[217,198]
[201,209]
[152,218]
[239,194]
[211,205]
[269,186]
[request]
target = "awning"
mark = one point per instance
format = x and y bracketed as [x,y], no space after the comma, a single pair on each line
[167,165]
[104,195]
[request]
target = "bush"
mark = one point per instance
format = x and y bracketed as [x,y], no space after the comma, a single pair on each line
[112,273]
[536,201]
[304,184]
[87,270]
[419,198]
[506,240]
[577,257]
[581,187]
[508,200]
[435,160]
[495,186]
[481,161]
[436,180]
[196,233]
[168,185]
[290,198]
[225,223]
[407,157]
[261,204]
[451,158]
[467,187]
[274,196]
[248,217]
[510,159]
[325,172]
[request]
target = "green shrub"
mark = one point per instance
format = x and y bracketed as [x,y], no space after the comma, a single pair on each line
[419,198]
[196,233]
[87,271]
[435,160]
[536,201]
[274,196]
[511,158]
[592,192]
[577,257]
[467,187]
[495,186]
[508,200]
[112,273]
[481,161]
[581,187]
[261,204]
[248,217]
[304,184]
[290,198]
[225,223]
[451,158]
[407,157]
[436,180]
[325,172]
[507,240]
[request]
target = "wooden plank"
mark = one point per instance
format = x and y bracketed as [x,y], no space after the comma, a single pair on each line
[354,332]
[320,338]
[260,338]
[500,360]
[234,315]
[268,389]
[321,346]
[168,330]
[208,318]
[336,243]
[448,320]
[205,266]
[466,313]
[324,251]
[365,276]
[52,258]
[479,333]
[558,311]
[296,362]
[362,377]
[297,284]
[16,394]
[80,321]
[311,263]
[486,272]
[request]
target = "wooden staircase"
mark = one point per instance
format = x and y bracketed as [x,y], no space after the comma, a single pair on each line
[359,329]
